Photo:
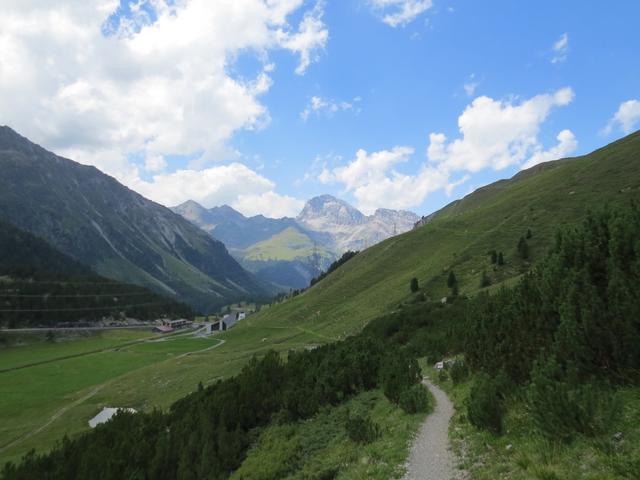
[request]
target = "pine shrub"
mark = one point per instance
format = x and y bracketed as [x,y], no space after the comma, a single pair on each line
[485,405]
[415,399]
[561,407]
[458,372]
[362,429]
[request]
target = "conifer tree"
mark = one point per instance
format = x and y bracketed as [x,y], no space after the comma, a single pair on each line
[451,280]
[523,249]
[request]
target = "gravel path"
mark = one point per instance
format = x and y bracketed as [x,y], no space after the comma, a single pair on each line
[431,458]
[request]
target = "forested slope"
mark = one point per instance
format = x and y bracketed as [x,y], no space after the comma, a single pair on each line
[40,286]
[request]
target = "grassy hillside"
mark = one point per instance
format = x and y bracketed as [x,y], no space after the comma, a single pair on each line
[289,244]
[460,235]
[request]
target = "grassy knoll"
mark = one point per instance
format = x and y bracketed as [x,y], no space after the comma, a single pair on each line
[289,244]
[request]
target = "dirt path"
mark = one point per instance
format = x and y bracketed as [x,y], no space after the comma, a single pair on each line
[431,458]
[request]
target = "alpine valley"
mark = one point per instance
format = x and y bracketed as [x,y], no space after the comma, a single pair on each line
[290,252]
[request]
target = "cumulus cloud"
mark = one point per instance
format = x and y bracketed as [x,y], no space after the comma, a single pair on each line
[374,182]
[234,184]
[627,117]
[327,107]
[398,13]
[496,133]
[493,134]
[560,49]
[98,84]
[567,144]
[309,40]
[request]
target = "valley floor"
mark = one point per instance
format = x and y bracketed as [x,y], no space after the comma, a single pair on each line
[71,379]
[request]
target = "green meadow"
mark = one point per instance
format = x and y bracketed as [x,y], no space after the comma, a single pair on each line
[76,375]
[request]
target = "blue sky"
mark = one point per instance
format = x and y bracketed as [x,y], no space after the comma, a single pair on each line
[263,105]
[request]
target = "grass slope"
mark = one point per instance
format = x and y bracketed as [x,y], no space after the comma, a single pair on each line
[290,244]
[494,217]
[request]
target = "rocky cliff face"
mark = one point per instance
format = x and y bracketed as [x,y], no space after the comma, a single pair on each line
[348,228]
[120,234]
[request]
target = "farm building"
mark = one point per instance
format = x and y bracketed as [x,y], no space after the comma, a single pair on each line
[106,414]
[225,323]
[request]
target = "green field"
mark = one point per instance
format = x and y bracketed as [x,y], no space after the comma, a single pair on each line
[41,403]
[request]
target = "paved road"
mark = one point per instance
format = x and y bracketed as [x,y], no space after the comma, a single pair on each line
[63,329]
[431,457]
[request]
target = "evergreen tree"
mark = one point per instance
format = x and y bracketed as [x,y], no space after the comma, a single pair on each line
[523,249]
[529,233]
[415,286]
[500,259]
[485,281]
[451,280]
[493,255]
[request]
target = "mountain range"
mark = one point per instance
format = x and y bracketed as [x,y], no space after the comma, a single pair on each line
[98,222]
[289,252]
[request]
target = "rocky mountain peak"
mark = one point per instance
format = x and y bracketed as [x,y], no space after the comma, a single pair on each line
[326,209]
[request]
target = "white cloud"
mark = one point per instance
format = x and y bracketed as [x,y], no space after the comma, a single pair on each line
[234,184]
[627,117]
[470,88]
[277,205]
[327,107]
[560,49]
[309,40]
[374,182]
[567,144]
[471,85]
[496,133]
[398,13]
[155,163]
[155,85]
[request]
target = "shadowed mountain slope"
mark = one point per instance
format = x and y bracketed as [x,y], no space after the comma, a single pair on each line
[118,233]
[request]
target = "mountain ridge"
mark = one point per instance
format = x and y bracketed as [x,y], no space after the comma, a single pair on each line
[91,217]
[328,225]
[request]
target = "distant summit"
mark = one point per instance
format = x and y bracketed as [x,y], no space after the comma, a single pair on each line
[328,210]
[289,252]
[349,228]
